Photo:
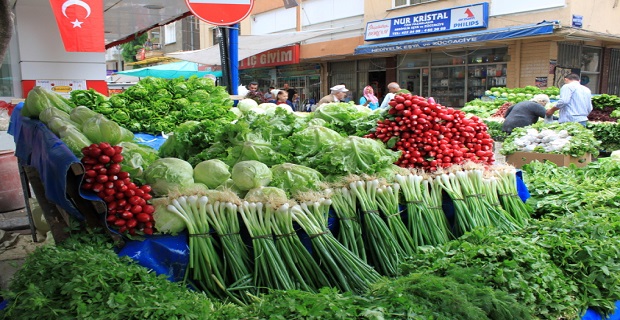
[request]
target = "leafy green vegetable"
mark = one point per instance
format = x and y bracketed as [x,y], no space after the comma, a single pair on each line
[608,133]
[56,123]
[136,158]
[506,262]
[250,174]
[157,105]
[83,278]
[355,155]
[192,137]
[295,178]
[50,112]
[81,113]
[245,105]
[600,101]
[266,195]
[167,174]
[212,173]
[99,129]
[584,246]
[556,190]
[74,139]
[165,220]
[313,141]
[347,118]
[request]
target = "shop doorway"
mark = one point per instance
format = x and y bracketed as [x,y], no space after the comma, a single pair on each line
[377,80]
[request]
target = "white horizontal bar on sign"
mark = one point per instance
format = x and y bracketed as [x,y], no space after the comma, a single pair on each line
[221,1]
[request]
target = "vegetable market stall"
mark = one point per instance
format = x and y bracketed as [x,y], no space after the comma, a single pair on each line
[371,203]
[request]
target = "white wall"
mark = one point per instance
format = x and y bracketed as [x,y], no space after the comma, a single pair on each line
[314,13]
[41,51]
[501,7]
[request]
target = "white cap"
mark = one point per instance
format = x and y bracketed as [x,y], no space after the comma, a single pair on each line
[339,88]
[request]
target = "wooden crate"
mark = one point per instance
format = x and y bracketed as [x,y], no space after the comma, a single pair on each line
[521,158]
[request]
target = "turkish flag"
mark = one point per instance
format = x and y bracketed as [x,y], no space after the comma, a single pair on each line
[81,24]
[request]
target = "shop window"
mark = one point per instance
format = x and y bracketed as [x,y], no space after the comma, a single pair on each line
[344,72]
[590,68]
[371,65]
[413,60]
[402,3]
[569,55]
[170,33]
[585,59]
[613,84]
[449,58]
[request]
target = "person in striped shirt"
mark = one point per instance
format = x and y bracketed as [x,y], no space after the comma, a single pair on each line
[575,102]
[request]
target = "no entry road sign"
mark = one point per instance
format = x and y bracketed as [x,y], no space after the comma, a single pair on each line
[220,12]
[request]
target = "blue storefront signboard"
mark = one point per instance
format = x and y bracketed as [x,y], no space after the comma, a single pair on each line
[577,21]
[459,18]
[522,31]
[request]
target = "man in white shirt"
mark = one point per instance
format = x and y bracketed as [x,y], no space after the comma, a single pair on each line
[575,102]
[393,88]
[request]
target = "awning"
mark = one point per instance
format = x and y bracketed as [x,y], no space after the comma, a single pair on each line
[522,31]
[248,46]
[173,70]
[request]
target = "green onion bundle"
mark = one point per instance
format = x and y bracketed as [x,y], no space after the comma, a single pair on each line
[500,217]
[473,197]
[302,266]
[224,218]
[344,205]
[387,199]
[345,270]
[464,222]
[269,270]
[509,197]
[432,195]
[205,264]
[384,252]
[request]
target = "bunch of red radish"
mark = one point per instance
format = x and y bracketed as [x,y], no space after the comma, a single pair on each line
[432,136]
[127,203]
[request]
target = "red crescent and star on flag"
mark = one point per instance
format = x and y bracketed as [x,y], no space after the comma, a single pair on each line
[81,24]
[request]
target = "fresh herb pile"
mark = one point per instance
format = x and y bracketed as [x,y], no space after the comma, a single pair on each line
[90,281]
[83,278]
[557,190]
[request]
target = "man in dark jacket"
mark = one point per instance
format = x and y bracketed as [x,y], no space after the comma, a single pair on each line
[525,113]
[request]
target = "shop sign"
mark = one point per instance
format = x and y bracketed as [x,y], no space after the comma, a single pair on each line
[220,12]
[62,87]
[274,57]
[577,21]
[446,20]
[459,39]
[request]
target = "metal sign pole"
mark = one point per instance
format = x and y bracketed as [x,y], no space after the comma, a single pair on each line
[234,58]
[224,58]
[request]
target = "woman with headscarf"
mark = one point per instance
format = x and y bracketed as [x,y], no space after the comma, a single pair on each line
[369,99]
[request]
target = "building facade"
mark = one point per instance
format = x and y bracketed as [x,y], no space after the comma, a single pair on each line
[452,50]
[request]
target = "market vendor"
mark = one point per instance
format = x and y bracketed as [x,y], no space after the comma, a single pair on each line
[525,113]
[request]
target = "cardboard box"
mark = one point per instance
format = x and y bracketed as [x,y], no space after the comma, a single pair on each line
[520,158]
